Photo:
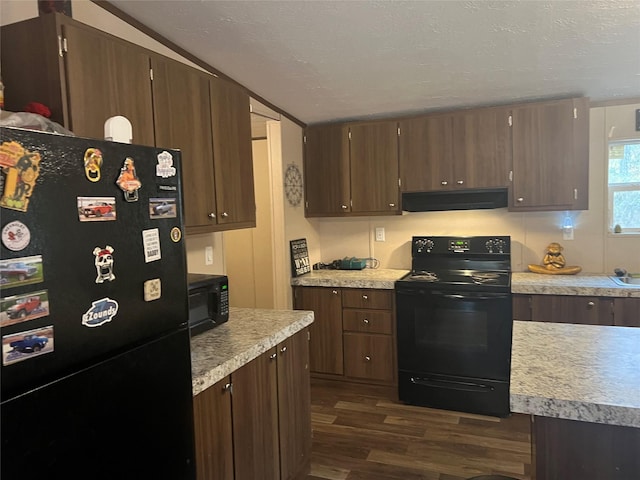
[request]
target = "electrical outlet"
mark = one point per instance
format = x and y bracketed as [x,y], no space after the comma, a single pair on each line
[208,256]
[379,234]
[567,233]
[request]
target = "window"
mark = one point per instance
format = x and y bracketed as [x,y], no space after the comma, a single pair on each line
[624,186]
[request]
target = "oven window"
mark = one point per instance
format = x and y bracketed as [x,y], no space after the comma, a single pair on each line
[451,328]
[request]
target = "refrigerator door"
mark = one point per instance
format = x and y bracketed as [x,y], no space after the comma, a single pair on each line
[129,417]
[101,255]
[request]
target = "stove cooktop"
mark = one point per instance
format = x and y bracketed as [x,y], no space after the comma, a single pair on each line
[480,278]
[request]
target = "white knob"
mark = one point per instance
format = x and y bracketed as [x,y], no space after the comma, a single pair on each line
[273,356]
[225,214]
[364,297]
[460,182]
[590,305]
[335,292]
[367,358]
[444,182]
[283,349]
[344,207]
[392,205]
[212,215]
[520,199]
[365,321]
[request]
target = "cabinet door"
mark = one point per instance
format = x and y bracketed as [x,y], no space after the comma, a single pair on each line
[369,356]
[521,307]
[183,121]
[626,312]
[326,171]
[367,321]
[233,160]
[481,148]
[213,432]
[426,153]
[255,419]
[325,346]
[367,298]
[570,309]
[106,77]
[374,168]
[294,406]
[543,157]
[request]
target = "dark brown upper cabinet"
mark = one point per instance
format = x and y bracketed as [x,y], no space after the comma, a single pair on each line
[550,155]
[83,75]
[232,154]
[352,169]
[452,151]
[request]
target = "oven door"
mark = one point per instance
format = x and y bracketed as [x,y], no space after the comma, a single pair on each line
[454,333]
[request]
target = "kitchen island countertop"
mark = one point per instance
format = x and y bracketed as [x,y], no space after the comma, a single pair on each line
[589,373]
[247,334]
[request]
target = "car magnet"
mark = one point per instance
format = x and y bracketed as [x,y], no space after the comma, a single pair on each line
[20,308]
[165,168]
[151,242]
[96,209]
[92,164]
[128,181]
[152,290]
[21,169]
[28,344]
[16,235]
[162,208]
[176,234]
[15,272]
[101,312]
[104,264]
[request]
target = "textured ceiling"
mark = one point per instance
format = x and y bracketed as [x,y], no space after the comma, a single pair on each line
[330,60]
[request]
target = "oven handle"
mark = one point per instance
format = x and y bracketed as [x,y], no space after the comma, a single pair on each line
[456,296]
[452,384]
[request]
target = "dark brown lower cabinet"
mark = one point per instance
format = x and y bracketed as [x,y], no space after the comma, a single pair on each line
[626,312]
[572,450]
[256,424]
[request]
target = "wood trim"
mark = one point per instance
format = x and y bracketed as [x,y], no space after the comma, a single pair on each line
[125,17]
[613,103]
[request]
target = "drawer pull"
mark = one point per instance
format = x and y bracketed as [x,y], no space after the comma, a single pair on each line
[367,358]
[283,349]
[228,387]
[335,292]
[365,321]
[444,182]
[590,305]
[365,297]
[273,356]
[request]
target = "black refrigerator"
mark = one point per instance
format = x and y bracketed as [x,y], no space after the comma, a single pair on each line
[96,369]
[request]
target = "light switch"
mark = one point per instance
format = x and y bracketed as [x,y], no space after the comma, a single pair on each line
[208,256]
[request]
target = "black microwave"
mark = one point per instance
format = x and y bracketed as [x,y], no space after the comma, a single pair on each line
[208,301]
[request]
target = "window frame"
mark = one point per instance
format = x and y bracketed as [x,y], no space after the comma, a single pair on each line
[619,187]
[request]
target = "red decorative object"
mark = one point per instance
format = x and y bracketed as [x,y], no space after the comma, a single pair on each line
[39,108]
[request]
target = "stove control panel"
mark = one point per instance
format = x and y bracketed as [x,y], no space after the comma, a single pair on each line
[434,246]
[495,245]
[459,245]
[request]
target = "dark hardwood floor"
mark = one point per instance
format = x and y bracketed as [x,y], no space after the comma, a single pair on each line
[363,433]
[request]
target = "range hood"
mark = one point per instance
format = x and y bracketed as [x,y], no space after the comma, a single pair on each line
[472,199]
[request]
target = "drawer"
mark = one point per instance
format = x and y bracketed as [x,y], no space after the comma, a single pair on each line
[367,321]
[368,356]
[367,298]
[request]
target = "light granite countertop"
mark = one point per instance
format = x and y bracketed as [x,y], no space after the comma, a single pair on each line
[247,334]
[589,373]
[591,285]
[382,278]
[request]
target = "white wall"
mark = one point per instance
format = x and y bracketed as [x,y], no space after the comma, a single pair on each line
[593,248]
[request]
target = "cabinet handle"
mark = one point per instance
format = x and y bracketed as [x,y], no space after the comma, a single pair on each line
[520,200]
[283,349]
[225,214]
[212,215]
[367,358]
[460,182]
[273,356]
[344,207]
[392,205]
[335,292]
[228,387]
[590,305]
[365,321]
[365,297]
[444,182]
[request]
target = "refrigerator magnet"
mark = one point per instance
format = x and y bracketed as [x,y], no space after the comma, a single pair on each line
[20,308]
[17,347]
[151,243]
[165,168]
[16,272]
[21,168]
[152,290]
[101,312]
[96,209]
[176,234]
[16,236]
[128,180]
[162,208]
[104,264]
[93,164]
